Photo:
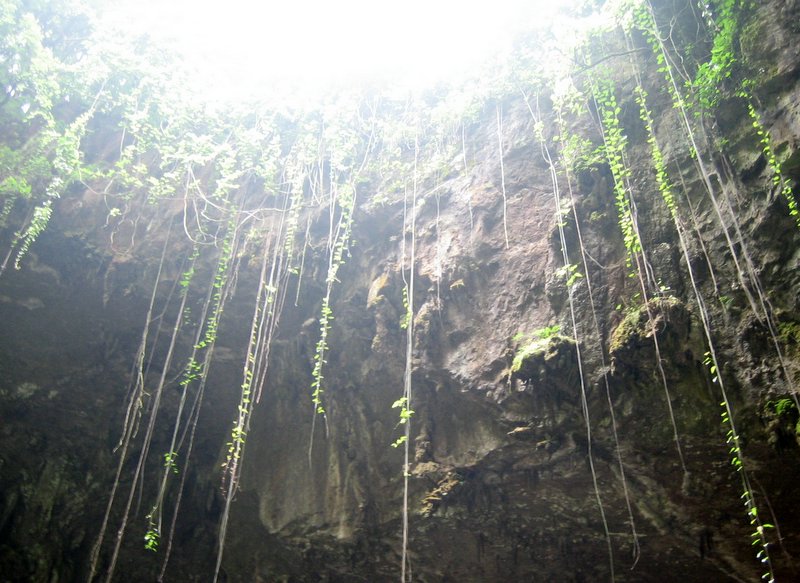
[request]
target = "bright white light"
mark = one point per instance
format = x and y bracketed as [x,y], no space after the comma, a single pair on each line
[249,45]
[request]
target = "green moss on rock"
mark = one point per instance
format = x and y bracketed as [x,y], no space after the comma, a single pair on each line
[637,326]
[543,356]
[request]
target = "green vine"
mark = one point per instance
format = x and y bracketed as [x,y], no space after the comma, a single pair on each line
[405,319]
[724,18]
[346,202]
[660,167]
[404,415]
[758,536]
[778,178]
[317,389]
[614,149]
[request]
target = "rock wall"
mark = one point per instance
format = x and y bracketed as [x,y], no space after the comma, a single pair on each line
[523,408]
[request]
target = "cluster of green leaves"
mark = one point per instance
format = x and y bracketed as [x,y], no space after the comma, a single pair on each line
[238,437]
[547,331]
[789,332]
[39,135]
[189,273]
[782,407]
[569,273]
[579,153]
[404,415]
[712,368]
[405,319]
[152,538]
[724,18]
[171,461]
[712,74]
[785,408]
[541,333]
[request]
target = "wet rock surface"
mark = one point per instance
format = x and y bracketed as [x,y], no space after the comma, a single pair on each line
[524,467]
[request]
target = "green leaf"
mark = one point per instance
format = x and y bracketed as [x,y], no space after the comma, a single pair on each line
[401,402]
[400,441]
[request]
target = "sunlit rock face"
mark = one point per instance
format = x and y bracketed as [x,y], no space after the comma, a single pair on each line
[564,428]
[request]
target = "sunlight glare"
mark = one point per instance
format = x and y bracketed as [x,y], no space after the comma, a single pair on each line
[246,46]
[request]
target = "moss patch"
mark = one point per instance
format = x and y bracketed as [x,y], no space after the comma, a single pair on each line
[543,357]
[636,325]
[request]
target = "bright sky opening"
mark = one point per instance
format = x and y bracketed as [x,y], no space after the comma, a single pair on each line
[246,46]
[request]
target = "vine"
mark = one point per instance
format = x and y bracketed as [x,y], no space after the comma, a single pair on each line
[725,19]
[646,22]
[614,149]
[269,300]
[340,244]
[343,151]
[130,424]
[614,146]
[165,145]
[746,271]
[778,178]
[567,153]
[153,533]
[499,112]
[196,370]
[65,168]
[733,440]
[404,403]
[573,276]
[710,359]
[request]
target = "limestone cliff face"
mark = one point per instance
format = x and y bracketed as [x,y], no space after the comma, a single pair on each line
[525,380]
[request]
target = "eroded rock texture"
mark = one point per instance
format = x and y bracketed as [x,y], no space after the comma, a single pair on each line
[501,483]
